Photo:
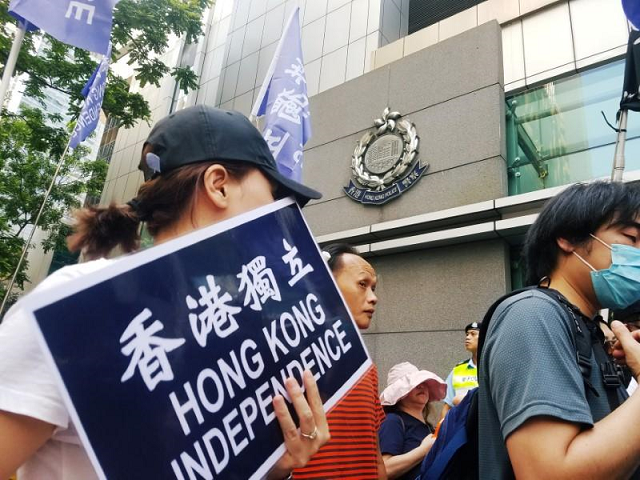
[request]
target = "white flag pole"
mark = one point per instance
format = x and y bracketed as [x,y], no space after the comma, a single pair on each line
[10,67]
[267,79]
[618,157]
[35,225]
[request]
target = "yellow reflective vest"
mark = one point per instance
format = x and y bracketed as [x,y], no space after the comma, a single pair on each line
[464,377]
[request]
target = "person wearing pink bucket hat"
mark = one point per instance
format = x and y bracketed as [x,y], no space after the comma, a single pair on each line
[405,435]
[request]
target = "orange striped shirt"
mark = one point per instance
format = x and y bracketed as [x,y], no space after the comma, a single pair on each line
[352,451]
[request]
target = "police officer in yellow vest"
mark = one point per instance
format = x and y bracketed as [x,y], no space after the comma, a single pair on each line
[464,375]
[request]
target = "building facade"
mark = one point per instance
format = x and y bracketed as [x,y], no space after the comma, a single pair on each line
[505,97]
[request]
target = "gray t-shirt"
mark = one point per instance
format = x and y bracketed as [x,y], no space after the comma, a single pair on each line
[528,369]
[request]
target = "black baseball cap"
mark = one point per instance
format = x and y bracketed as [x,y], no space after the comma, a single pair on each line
[203,133]
[473,326]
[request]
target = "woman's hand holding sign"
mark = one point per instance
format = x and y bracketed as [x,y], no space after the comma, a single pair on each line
[301,443]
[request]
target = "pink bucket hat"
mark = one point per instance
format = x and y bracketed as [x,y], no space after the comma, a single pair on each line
[404,377]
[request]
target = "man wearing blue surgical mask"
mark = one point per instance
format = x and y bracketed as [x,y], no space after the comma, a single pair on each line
[543,413]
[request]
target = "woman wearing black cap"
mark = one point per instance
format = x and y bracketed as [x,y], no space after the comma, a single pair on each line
[202,165]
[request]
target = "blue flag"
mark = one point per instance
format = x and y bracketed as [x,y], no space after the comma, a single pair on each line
[632,11]
[93,92]
[81,23]
[29,27]
[283,100]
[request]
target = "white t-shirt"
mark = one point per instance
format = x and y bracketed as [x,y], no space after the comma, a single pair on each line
[28,387]
[633,384]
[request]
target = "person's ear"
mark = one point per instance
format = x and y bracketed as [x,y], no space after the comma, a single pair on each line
[216,185]
[565,245]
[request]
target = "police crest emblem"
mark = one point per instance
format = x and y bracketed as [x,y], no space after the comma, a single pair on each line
[385,161]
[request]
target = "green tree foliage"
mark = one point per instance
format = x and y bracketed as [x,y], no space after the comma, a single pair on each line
[27,146]
[141,28]
[32,141]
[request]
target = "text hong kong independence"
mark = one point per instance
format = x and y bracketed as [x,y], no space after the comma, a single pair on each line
[199,399]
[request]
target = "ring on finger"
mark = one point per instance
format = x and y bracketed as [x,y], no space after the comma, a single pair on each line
[311,436]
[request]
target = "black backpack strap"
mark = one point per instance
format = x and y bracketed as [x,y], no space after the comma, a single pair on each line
[473,439]
[612,374]
[587,340]
[580,333]
[487,317]
[584,348]
[590,338]
[484,327]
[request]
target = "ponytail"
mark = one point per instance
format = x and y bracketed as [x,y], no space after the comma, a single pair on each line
[160,203]
[98,230]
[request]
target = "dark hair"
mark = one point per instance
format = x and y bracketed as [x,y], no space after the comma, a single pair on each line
[574,214]
[160,203]
[337,250]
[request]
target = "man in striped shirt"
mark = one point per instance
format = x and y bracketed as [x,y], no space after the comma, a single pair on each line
[353,450]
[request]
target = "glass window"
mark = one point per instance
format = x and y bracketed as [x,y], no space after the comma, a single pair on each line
[337,32]
[253,36]
[517,267]
[266,56]
[548,41]
[106,151]
[355,58]
[333,69]
[556,133]
[312,40]
[63,257]
[273,25]
[247,74]
[314,10]
[358,26]
[235,46]
[258,8]
[390,21]
[423,13]
[241,14]
[230,82]
[187,59]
